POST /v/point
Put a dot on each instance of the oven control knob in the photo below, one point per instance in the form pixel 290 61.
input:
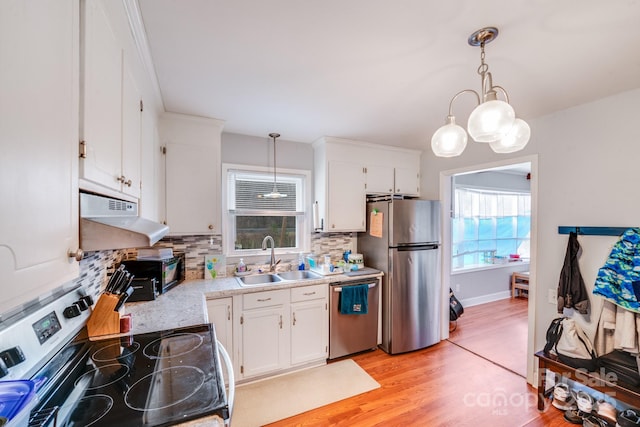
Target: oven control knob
pixel 72 311
pixel 12 356
pixel 3 369
pixel 88 300
pixel 82 304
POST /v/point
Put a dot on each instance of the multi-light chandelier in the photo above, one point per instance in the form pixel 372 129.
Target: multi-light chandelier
pixel 492 121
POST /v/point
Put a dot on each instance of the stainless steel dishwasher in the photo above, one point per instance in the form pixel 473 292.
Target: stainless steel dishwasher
pixel 352 333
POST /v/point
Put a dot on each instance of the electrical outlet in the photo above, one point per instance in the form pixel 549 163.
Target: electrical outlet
pixel 553 296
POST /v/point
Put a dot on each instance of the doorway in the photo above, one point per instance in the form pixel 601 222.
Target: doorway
pixel 526 168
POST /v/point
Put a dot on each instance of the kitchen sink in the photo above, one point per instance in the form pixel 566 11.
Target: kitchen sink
pixel 258 279
pixel 298 275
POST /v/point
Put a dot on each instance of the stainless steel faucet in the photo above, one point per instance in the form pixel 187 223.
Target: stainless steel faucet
pixel 272 262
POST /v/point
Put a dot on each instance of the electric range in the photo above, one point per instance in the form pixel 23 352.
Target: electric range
pixel 153 379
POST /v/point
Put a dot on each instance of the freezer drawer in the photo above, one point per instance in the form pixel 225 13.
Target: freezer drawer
pixel 352 333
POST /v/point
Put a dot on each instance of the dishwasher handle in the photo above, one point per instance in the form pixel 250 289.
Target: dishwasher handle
pixel 339 288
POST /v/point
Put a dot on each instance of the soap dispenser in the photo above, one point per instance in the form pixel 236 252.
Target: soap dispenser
pixel 242 267
pixel 301 264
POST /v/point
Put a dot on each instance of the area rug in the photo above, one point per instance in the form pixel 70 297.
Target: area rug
pixel 274 399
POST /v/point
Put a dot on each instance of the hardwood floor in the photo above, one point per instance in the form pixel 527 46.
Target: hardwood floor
pixel 443 385
pixel 496 331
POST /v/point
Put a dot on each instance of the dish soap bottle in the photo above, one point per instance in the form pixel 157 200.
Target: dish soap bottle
pixel 301 265
pixel 242 267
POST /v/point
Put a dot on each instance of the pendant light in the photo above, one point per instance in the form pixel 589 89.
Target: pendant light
pixel 275 194
pixel 493 121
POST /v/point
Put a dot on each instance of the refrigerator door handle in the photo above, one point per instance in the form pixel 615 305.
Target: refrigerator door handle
pixel 426 247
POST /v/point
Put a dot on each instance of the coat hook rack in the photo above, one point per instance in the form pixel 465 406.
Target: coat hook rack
pixel 593 231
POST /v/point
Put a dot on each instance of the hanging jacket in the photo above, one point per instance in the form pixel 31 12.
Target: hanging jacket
pixel 572 292
pixel 619 279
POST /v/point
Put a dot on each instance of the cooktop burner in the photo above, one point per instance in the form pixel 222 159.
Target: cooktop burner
pixel 115 351
pixel 154 379
pixel 175 345
pixel 87 411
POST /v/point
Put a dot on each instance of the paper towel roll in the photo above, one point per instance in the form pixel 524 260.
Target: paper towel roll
pixel 316 217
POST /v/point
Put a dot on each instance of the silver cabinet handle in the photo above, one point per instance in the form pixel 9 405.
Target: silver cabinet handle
pixel 264 300
pixel 294 319
pixel 281 321
pixel 228 312
pixel 309 293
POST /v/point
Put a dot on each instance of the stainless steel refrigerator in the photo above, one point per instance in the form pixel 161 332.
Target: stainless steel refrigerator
pixel 408 252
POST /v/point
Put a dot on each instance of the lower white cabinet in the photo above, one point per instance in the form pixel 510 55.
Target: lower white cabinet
pixel 265 332
pixel 275 330
pixel 220 312
pixel 309 324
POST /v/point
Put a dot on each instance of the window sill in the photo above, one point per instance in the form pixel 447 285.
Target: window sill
pixel 475 268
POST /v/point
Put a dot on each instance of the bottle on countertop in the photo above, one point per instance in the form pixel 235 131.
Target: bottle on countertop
pixel 242 267
pixel 301 264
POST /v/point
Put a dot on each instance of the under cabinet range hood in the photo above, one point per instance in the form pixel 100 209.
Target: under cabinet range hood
pixel 108 223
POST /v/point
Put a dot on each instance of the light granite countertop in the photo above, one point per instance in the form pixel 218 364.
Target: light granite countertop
pixel 185 304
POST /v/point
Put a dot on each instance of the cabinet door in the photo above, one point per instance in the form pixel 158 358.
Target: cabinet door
pixel 39 161
pixel 309 331
pixel 101 126
pixel 264 341
pixel 220 315
pixel 131 121
pixel 193 188
pixel 379 179
pixel 407 181
pixel 346 197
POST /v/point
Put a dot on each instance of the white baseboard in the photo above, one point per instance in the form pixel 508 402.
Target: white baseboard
pixel 483 299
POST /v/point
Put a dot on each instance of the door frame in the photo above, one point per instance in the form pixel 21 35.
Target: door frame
pixel 446 178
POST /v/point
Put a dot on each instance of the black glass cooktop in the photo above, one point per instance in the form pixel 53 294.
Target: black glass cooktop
pixel 154 379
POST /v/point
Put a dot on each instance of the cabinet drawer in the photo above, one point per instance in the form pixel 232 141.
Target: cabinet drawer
pixel 265 299
pixel 305 293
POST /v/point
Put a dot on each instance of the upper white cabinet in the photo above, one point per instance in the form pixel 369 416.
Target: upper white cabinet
pixel 39 130
pixel 346 171
pixel 110 107
pixel 192 147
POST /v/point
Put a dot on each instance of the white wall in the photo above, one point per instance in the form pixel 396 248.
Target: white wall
pixel 587 162
pixel 258 151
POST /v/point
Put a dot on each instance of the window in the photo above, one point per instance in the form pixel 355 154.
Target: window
pixel 489 226
pixel 251 217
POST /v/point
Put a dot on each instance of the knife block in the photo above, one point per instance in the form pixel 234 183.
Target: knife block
pixel 104 320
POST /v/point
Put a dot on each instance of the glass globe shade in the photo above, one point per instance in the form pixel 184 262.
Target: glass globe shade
pixel 449 141
pixel 516 139
pixel 490 121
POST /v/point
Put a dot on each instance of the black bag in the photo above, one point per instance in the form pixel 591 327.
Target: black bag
pixel 455 308
pixel 623 364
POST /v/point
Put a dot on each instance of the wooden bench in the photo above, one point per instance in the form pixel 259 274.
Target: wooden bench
pixel 594 380
pixel 519 283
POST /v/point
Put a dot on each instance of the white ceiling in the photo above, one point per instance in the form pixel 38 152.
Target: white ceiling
pixel 382 71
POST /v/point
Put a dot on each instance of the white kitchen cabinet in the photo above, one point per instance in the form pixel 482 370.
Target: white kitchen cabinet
pixel 309 324
pixel 346 171
pixel 407 181
pixel 110 105
pixel 345 197
pixel 192 164
pixel 379 179
pixel 39 81
pixel 339 187
pixel 220 313
pixel 265 333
